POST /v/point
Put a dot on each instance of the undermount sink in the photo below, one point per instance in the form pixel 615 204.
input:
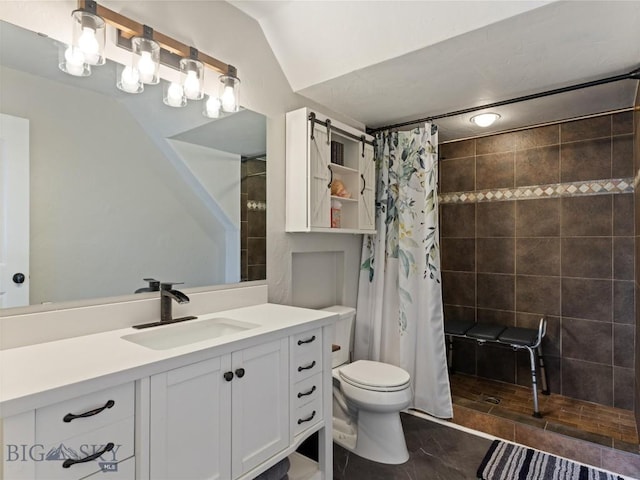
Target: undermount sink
pixel 177 335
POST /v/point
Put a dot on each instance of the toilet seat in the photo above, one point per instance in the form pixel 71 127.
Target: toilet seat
pixel 375 376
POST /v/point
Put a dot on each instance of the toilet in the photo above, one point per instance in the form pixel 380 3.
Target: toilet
pixel 367 399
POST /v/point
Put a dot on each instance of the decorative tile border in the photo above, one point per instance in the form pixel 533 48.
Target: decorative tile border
pixel 258 206
pixel 552 190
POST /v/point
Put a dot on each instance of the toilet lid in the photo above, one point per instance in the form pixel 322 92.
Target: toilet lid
pixel 375 375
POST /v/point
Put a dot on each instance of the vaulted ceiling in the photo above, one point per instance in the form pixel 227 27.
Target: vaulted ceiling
pixel 382 62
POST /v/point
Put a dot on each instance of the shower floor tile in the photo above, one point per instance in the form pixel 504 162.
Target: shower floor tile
pixel 599 424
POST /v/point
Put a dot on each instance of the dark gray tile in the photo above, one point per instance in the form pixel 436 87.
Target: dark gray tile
pixel 538 166
pixel 586 216
pixel 459 288
pixel 599 293
pixel 458 220
pixel 623 214
pixel 256 251
pixel 587 160
pixel 243 206
pixel 540 295
pixel 586 257
pixel 495 291
pixel 257 188
pixel 622 123
pixel 498 363
pixel 587 381
pixel 464 356
pixel 505 142
pixel 587 340
pixel 622 156
pixel 623 345
pixel 500 317
pixel 623 261
pixel 243 235
pixel 538 218
pixel 551 340
pixel 458 175
pixel 538 256
pixel 257 272
pixel 538 137
pixel 464 148
pixel 623 302
pixel 495 255
pixel 496 219
pixel 257 223
pixel 584 129
pixel 623 381
pixel 458 254
pixel 496 170
pixel 455 312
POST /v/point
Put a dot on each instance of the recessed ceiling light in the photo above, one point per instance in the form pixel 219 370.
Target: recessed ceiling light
pixel 485 119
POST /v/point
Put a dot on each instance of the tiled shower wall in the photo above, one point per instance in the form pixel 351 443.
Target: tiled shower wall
pixel 253 220
pixel 565 250
pixel 636 169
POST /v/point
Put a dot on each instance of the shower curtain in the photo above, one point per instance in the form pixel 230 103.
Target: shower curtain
pixel 399 313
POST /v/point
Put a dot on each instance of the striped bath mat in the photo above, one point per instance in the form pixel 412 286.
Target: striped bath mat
pixel 506 461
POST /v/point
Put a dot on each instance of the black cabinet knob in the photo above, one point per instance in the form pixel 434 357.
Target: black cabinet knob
pixel 228 376
pixel 18 278
pixel 240 372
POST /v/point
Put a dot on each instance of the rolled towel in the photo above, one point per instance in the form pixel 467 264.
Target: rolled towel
pixel 277 472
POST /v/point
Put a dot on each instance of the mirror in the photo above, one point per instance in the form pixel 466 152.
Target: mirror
pixel 122 187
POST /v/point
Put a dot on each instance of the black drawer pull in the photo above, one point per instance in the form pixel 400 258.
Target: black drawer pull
pixel 107 448
pixel 308 340
pixel 300 394
pixel 308 419
pixel 311 365
pixel 70 416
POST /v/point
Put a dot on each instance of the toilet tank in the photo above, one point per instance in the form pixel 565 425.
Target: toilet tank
pixel 342 334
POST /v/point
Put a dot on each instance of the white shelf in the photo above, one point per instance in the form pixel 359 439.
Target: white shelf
pixel 342 169
pixel 344 199
pixel 303 468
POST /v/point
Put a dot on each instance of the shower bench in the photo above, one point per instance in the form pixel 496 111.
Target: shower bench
pixel 518 338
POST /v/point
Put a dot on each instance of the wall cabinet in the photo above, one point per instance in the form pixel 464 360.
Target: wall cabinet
pixel 220 418
pixel 310 173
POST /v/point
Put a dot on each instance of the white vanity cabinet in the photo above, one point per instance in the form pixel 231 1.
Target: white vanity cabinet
pixel 220 418
pixel 310 171
pixel 73 439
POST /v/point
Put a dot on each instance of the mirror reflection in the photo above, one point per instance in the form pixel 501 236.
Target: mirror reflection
pixel 120 187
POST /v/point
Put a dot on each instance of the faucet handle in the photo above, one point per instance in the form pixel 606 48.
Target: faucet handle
pixel 154 285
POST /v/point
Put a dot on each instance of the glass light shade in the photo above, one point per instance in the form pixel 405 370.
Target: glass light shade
pixel 146 59
pixel 229 93
pixel 485 119
pixel 192 78
pixel 211 108
pixel 129 80
pixel 89 33
pixel 71 61
pixel 173 95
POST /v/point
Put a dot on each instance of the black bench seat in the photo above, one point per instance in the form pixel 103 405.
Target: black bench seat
pixel 515 337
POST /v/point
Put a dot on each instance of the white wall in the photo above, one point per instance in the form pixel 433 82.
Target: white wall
pixel 220 30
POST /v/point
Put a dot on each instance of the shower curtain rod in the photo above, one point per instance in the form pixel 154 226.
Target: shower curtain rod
pixel 633 75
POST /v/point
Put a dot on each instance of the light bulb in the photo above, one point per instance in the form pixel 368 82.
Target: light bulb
pixel 74 61
pixel 88 44
pixel 130 80
pixel 175 95
pixel 228 99
pixel 192 85
pixel 212 107
pixel 146 67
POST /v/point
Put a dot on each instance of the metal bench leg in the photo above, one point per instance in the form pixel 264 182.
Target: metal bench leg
pixel 534 383
pixel 543 373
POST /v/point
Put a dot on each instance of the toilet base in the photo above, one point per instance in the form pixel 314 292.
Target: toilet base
pixel 380 438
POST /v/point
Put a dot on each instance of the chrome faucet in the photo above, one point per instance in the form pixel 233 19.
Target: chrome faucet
pixel 167 294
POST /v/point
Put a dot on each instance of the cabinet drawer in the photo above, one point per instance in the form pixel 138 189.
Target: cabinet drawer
pixel 120 433
pixel 307 416
pixel 125 470
pixel 307 390
pixel 307 344
pixel 103 408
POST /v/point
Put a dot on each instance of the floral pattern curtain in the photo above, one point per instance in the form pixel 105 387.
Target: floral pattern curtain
pixel 399 314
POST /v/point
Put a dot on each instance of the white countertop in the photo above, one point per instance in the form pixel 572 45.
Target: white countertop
pixel 37 375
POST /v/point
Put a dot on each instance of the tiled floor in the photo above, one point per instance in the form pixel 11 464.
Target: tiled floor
pixel 595 434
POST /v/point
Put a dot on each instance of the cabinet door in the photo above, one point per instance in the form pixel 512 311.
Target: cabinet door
pixel 320 181
pixel 190 425
pixel 260 404
pixel 367 204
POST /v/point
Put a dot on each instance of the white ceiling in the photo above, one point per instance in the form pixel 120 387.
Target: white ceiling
pixel 382 62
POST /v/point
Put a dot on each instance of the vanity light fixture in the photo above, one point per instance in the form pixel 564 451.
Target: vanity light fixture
pixel 87 41
pixel 485 119
pixel 149 48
